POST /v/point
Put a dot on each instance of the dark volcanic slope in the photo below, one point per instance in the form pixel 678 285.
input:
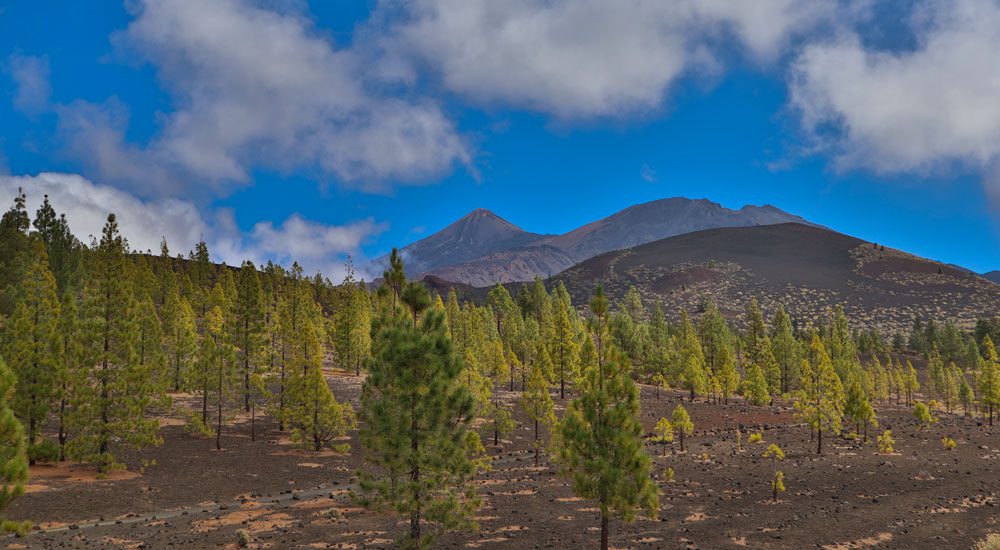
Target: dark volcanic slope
pixel 807 268
pixel 660 219
pixel 992 276
pixel 478 234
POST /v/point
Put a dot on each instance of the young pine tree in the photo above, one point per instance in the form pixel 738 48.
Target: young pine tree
pixel 820 403
pixel 989 379
pixel 13 446
pixel 857 407
pixel 564 349
pixel 601 446
pixel 681 422
pixel 415 426
pixel 756 389
pixel 536 400
pixel 34 348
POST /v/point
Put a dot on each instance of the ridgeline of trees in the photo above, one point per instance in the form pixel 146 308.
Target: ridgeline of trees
pixel 99 341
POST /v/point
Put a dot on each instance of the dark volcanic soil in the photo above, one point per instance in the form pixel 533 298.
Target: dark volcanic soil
pixel 852 497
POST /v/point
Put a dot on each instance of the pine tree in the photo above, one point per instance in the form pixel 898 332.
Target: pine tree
pixel 13 445
pixel 756 390
pixel 664 431
pixel 149 346
pixel 681 422
pixel 35 348
pixel 564 350
pixel 70 368
pixel 495 366
pixel 912 382
pixel 966 395
pixel 181 336
pixel 820 403
pixel 857 408
pixel 63 250
pixel 692 360
pixel 112 392
pixel 415 426
pixel 249 337
pixel 787 352
pixel 755 333
pixel 223 374
pixel 601 445
pixel 536 400
pixel 316 417
pixel 989 379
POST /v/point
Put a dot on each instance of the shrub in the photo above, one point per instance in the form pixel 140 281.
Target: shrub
pixel 923 415
pixel 756 437
pixel 668 474
pixel 886 442
pixel 45 450
pixel 948 443
pixel 775 452
pixel 777 485
pixel 991 542
pixel 242 538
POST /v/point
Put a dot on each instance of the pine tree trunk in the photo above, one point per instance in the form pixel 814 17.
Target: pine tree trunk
pixel 281 392
pixel 562 386
pixel 218 426
pixel 604 531
pixel 682 439
pixel 317 444
pixel 253 423
pixel 415 478
pixel 536 442
pixel 819 437
pixel 63 436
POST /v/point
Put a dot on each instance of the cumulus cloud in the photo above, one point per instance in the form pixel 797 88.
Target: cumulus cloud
pixel 31 75
pixel 253 87
pixel 316 246
pixel 911 111
pixel 585 58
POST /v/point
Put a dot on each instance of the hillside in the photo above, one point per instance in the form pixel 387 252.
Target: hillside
pixel 806 268
pixel 992 276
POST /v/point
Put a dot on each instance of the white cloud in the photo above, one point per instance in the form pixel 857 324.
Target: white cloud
pixel 315 245
pixel 257 88
pixel 584 58
pixel 31 75
pixel 917 110
pixel 647 173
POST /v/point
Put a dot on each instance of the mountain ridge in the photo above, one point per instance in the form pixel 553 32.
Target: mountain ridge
pixel 482 248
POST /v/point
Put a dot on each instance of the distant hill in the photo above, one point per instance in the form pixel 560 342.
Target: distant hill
pixel 477 234
pixel 992 276
pixel 482 249
pixel 806 268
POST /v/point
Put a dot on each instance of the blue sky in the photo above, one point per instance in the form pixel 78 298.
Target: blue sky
pixel 281 128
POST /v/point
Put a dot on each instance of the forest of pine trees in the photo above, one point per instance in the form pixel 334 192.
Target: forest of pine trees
pixel 100 340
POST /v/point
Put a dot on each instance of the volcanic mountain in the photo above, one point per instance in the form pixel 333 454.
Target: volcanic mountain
pixel 806 268
pixel 992 276
pixel 482 249
pixel 479 233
